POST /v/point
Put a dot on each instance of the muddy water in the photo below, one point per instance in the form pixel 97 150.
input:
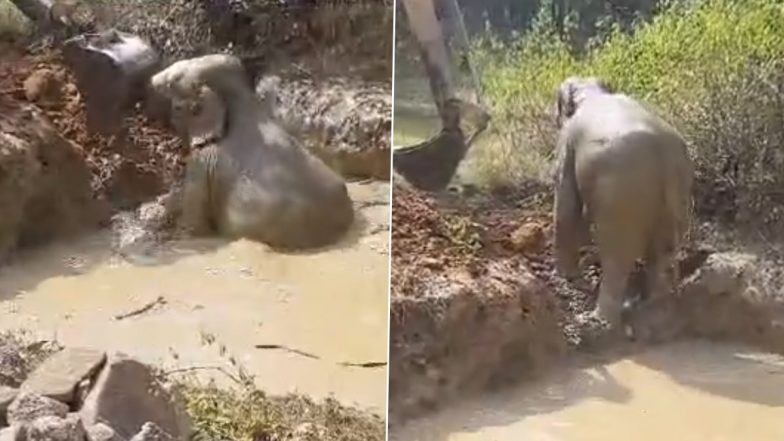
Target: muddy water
pixel 692 391
pixel 413 125
pixel 330 304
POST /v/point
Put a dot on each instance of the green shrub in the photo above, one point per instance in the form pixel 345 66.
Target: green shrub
pixel 713 69
pixel 12 22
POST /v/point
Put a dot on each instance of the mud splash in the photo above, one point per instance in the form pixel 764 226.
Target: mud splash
pixel 708 391
pixel 330 304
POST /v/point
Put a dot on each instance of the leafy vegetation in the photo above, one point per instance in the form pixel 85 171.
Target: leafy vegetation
pixel 247 414
pixel 713 68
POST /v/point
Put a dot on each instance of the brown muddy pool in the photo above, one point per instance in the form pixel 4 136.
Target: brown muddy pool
pixel 690 391
pixel 317 310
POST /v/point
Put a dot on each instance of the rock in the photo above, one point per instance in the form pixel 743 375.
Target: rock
pixel 101 432
pixel 7 396
pixel 151 432
pixel 723 273
pixel 28 407
pixel 12 365
pixel 13 433
pixel 347 125
pixel 529 238
pixel 51 428
pixel 126 395
pixel 45 190
pixel 59 376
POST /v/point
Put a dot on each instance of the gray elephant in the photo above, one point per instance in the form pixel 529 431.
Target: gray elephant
pixel 246 176
pixel 626 172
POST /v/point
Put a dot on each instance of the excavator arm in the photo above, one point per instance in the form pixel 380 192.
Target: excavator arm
pixel 431 165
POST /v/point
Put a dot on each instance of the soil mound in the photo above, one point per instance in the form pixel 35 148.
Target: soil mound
pixel 123 172
pixel 477 302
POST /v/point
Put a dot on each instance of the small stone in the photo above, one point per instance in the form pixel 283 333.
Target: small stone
pixel 101 432
pixel 59 376
pixel 43 85
pixel 151 432
pixel 126 395
pixel 528 238
pixel 52 428
pixel 29 406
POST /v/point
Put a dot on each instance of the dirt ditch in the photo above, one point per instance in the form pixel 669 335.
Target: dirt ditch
pixel 477 305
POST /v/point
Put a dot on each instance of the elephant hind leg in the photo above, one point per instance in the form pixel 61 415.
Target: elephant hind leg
pixel 621 241
pixel 612 290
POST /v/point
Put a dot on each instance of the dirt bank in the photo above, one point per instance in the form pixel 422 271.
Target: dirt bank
pixel 476 301
pixel 121 174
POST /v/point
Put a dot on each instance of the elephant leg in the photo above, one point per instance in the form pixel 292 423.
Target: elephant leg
pixel 621 241
pixel 571 229
pixel 195 219
pixel 612 290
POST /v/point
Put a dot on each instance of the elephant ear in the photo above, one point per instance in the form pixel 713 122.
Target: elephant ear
pixel 572 92
pixel 206 116
pixel 565 101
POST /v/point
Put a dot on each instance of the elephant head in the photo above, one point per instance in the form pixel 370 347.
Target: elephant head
pixel 202 92
pixel 573 91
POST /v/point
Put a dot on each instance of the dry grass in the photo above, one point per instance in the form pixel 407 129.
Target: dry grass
pixel 248 414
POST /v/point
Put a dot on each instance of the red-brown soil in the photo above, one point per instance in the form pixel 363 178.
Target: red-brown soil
pixel 123 174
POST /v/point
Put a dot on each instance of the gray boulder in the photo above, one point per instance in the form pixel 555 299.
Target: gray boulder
pixel 28 407
pixel 127 395
pixel 59 376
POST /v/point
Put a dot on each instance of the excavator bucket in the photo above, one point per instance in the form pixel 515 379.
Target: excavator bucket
pixel 112 69
pixel 432 164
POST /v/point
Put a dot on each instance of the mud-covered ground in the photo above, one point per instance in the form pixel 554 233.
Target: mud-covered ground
pixel 477 303
pixel 122 174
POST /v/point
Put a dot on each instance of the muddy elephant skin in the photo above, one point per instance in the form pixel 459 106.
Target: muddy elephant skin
pixel 628 173
pixel 247 177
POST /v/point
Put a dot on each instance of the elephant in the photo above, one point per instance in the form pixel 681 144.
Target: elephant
pixel 246 177
pixel 627 173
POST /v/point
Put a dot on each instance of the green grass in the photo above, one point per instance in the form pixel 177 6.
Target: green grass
pixel 248 414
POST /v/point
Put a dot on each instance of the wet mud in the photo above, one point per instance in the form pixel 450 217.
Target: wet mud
pixel 212 306
pixel 312 322
pixel 478 309
pixel 694 390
